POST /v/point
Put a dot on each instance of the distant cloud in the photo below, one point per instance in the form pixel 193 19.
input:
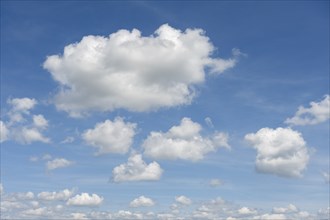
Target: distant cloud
pixel 68 140
pixel 215 182
pixel 326 176
pixel 142 201
pixel 40 121
pixel 183 200
pixel 137 170
pixel 58 163
pixel 281 210
pixel 245 211
pixel 209 122
pixel 183 142
pixel 84 199
pixel 128 71
pixel 111 136
pixel 26 135
pixel 20 106
pixel 4 132
pixel 52 196
pixel 280 151
pixel 1 189
pixel 318 112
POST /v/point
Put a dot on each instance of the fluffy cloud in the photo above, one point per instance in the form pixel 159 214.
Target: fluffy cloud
pixel 20 106
pixel 142 201
pixel 280 151
pixel 246 211
pixel 289 209
pixel 134 72
pixel 111 136
pixel 183 200
pixel 61 195
pixel 1 189
pixel 183 142
pixel 26 135
pixel 318 112
pixel 84 199
pixel 137 170
pixel 58 163
pixel 40 121
pixel 4 132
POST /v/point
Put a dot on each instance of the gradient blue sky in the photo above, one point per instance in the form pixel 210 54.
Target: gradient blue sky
pixel 284 64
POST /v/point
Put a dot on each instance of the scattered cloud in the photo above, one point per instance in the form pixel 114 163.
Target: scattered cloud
pixel 137 170
pixel 288 209
pixel 111 136
pixel 326 176
pixel 84 199
pixel 183 142
pixel 215 182
pixel 27 135
pixel 142 201
pixel 183 200
pixel 60 195
pixel 245 211
pixel 133 72
pixel 4 132
pixel 68 140
pixel 58 163
pixel 209 122
pixel 280 151
pixel 1 189
pixel 20 106
pixel 40 122
pixel 318 112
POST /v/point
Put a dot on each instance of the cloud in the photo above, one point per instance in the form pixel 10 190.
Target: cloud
pixel 209 122
pixel 137 170
pixel 68 140
pixel 280 151
pixel 20 106
pixel 84 199
pixel 111 136
pixel 183 200
pixel 183 142
pixel 1 189
pixel 215 182
pixel 326 176
pixel 246 211
pixel 289 209
pixel 26 135
pixel 318 112
pixel 58 163
pixel 40 122
pixel 4 132
pixel 129 71
pixel 60 195
pixel 142 201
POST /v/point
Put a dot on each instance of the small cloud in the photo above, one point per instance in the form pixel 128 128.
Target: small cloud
pixel 215 182
pixel 142 201
pixel 326 176
pixel 209 122
pixel 183 200
pixel 68 140
pixel 52 196
pixel 84 199
pixel 58 163
pixel 34 159
pixel 137 170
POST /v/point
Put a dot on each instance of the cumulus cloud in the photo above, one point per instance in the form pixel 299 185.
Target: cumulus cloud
pixel 142 201
pixel 134 72
pixel 26 135
pixel 318 112
pixel 280 151
pixel 183 200
pixel 20 106
pixel 4 132
pixel 84 199
pixel 40 121
pixel 246 211
pixel 60 195
pixel 58 163
pixel 111 136
pixel 289 209
pixel 183 142
pixel 137 170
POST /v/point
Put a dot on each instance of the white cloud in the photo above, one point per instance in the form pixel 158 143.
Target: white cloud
pixel 84 199
pixel 79 215
pixel 58 163
pixel 137 170
pixel 23 196
pixel 130 71
pixel 326 176
pixel 215 182
pixel 209 122
pixel 43 211
pixel 60 195
pixel 281 210
pixel 111 136
pixel 27 135
pixel 4 132
pixel 68 140
pixel 142 201
pixel 318 112
pixel 280 151
pixel 183 200
pixel 246 211
pixel 40 122
pixel 1 189
pixel 183 142
pixel 20 106
pixel 271 217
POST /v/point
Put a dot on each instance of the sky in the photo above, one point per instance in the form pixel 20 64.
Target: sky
pixel 164 110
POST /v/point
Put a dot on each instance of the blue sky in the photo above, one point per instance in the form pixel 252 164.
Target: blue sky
pixel 206 110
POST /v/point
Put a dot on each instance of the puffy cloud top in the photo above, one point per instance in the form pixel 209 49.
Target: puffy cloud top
pixel 183 142
pixel 318 112
pixel 61 195
pixel 84 199
pixel 183 200
pixel 111 136
pixel 280 151
pixel 142 201
pixel 137 170
pixel 58 163
pixel 134 72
